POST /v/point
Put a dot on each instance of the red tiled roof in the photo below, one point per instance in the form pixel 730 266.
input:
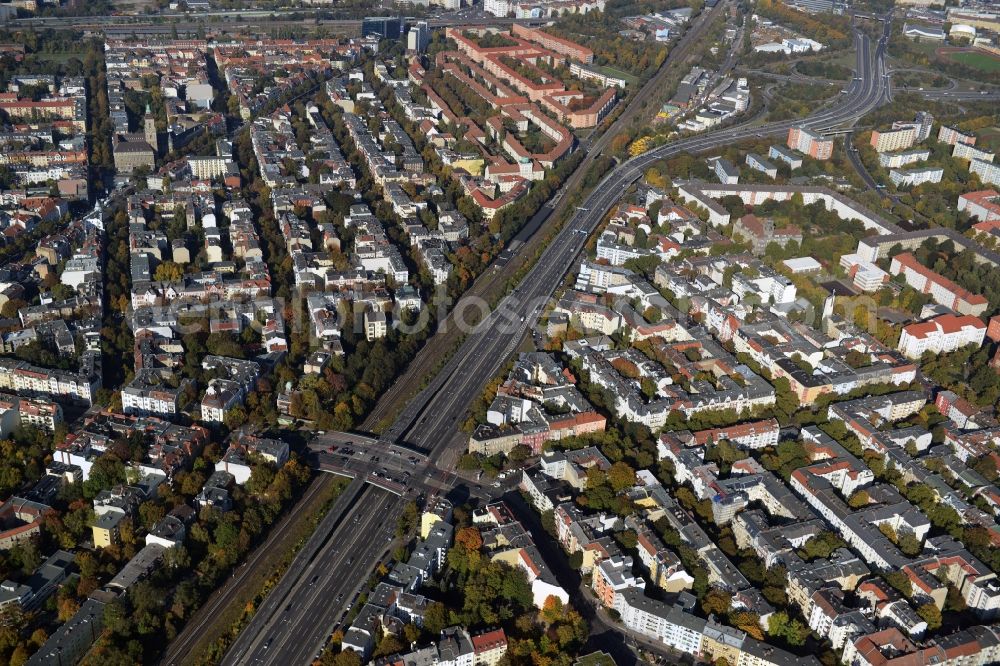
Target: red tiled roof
pixel 909 261
pixel 489 641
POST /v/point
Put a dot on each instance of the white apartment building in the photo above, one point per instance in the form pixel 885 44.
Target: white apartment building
pixel 375 324
pixel 617 253
pixel 136 401
pixel 150 393
pixel 669 625
pixel 207 168
pixel 499 8
pixel 80 269
pixel 896 160
pixel 866 275
pixel 951 136
pixel 894 140
pixel 969 152
pixel 221 396
pixel 43 414
pixel 987 171
pixel 758 163
pixel 25 379
pixel 941 334
pixel 914 177
pixel 726 172
pixel 385 260
pixel 983 205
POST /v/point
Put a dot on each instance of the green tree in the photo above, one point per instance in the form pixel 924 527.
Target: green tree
pixel 792 630
pixel 389 644
pixel 621 476
pixel 716 602
pixel 168 271
pixel 858 499
pixel 436 618
pixel 930 614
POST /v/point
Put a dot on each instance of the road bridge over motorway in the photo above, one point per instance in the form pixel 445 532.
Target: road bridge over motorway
pixel 394 467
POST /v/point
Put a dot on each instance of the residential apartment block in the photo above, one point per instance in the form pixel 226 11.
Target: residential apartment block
pixel 750 435
pixel 26 379
pixel 988 172
pixel 915 177
pixel 893 140
pixel 940 288
pixel 967 151
pixel 538 403
pixel 888 160
pixel 758 163
pixel 975 646
pixel 812 144
pixel 951 136
pixel 784 155
pixel 983 205
pixel 942 334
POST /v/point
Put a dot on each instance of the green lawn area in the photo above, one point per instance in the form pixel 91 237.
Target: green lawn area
pixel 913 51
pixel 912 79
pixel 48 62
pixel 846 58
pixel 989 138
pixel 629 78
pixel 983 61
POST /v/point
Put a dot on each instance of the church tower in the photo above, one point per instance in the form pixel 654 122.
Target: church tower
pixel 149 130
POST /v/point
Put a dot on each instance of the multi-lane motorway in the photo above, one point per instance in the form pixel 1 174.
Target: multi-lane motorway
pixel 295 620
pixel 947 95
